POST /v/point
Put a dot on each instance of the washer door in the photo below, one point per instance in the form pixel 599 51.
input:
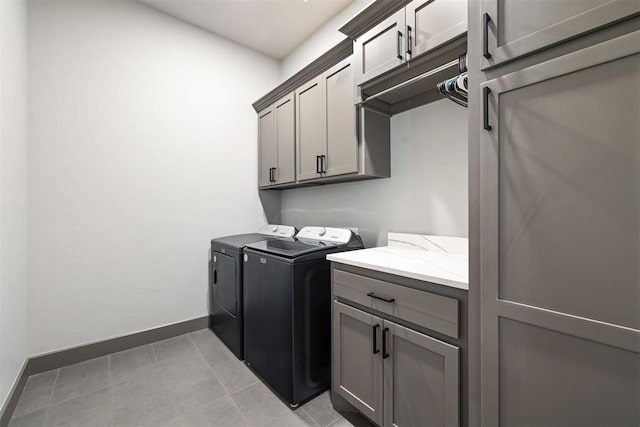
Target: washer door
pixel 225 283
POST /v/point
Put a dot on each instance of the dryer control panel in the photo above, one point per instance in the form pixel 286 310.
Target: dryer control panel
pixel 325 234
pixel 277 230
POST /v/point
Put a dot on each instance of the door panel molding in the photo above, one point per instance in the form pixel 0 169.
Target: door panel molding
pixel 589 20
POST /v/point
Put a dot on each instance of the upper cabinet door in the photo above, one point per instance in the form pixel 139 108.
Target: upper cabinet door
pixel 380 49
pixel 421 379
pixel 560 209
pixel 309 128
pixel 340 125
pixel 285 112
pixel 430 23
pixel 357 359
pixel 515 28
pixel 266 147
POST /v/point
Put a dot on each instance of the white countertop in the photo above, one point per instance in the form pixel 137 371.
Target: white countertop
pixel 437 259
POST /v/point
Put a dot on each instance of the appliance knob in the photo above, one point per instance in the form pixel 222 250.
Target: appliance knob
pixel 274 229
pixel 322 231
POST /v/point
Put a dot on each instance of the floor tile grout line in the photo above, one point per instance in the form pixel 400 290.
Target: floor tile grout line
pixel 257 381
pixel 164 382
pixel 207 363
pixel 46 412
pixel 311 416
pixel 221 383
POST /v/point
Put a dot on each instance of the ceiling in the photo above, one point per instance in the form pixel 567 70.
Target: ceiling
pixel 273 27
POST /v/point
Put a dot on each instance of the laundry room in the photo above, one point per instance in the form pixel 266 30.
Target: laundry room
pixel 319 213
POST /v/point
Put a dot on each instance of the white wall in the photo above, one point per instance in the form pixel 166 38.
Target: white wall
pixel 13 191
pixel 427 191
pixel 142 148
pixel 320 41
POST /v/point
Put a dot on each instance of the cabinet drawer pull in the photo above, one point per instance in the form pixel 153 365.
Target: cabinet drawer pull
pixel 376 350
pixel 485 108
pixel 215 276
pixel 485 35
pixel 318 164
pixel 323 164
pixel 380 297
pixel 409 41
pixel 384 343
pixel 399 50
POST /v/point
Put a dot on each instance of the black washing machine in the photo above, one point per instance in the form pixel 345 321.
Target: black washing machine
pixel 225 283
pixel 287 310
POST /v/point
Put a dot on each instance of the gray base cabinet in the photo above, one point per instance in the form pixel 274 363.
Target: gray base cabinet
pixel 391 372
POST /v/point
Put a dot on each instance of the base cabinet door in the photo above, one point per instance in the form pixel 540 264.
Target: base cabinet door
pixel 515 28
pixel 560 182
pixel 357 361
pixel 421 379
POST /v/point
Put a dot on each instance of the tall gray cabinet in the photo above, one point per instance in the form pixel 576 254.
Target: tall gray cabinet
pixel 557 232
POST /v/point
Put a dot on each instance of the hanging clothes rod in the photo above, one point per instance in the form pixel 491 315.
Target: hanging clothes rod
pixel 419 77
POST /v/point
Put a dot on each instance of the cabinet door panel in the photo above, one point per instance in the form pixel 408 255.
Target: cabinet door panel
pixel 560 179
pixel 562 368
pixel 434 22
pixel 285 140
pixel 357 371
pixel 382 48
pixel 267 146
pixel 517 28
pixel 421 380
pixel 342 140
pixel 309 129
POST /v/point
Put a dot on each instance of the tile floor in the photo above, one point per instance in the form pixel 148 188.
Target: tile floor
pixel 189 380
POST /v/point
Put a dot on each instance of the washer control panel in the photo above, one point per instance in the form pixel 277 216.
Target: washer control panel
pixel 325 234
pixel 277 230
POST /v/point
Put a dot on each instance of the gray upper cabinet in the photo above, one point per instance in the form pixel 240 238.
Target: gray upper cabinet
pixel 430 23
pixel 341 147
pixel 310 129
pixel 357 365
pixel 512 29
pixel 285 140
pixel 421 379
pixel 276 143
pixel 380 49
pixel 560 227
pixel 266 147
pixel 414 30
pixel 326 116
